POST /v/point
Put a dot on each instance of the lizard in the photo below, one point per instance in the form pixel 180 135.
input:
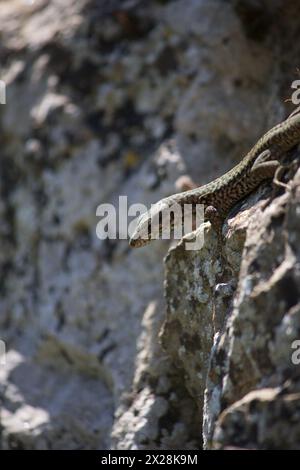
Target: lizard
pixel 219 196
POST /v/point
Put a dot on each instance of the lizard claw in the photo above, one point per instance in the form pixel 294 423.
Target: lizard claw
pixel 213 216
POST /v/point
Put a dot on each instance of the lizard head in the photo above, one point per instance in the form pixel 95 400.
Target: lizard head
pixel 156 223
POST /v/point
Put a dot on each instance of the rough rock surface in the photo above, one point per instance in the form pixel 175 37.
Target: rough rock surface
pixel 232 323
pixel 122 98
pixel 256 387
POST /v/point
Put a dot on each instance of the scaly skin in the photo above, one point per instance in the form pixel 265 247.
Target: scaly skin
pixel 223 193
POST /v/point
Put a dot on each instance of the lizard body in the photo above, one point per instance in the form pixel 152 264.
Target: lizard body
pixel 220 195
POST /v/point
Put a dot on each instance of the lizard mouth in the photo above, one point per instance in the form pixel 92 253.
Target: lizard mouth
pixel 138 242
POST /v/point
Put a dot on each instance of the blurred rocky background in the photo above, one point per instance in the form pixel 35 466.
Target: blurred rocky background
pixel 109 98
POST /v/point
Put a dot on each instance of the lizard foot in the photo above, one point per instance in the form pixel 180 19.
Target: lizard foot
pixel 213 216
pixel 277 177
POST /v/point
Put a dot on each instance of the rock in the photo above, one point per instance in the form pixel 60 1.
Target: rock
pixel 260 420
pixel 232 325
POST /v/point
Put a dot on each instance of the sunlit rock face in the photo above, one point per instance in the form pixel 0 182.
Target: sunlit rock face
pixel 123 98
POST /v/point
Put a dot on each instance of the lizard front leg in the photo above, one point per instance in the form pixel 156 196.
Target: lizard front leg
pixel 264 170
pixel 268 169
pixel 212 214
pixel 265 166
pixel 260 173
pixel 278 173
